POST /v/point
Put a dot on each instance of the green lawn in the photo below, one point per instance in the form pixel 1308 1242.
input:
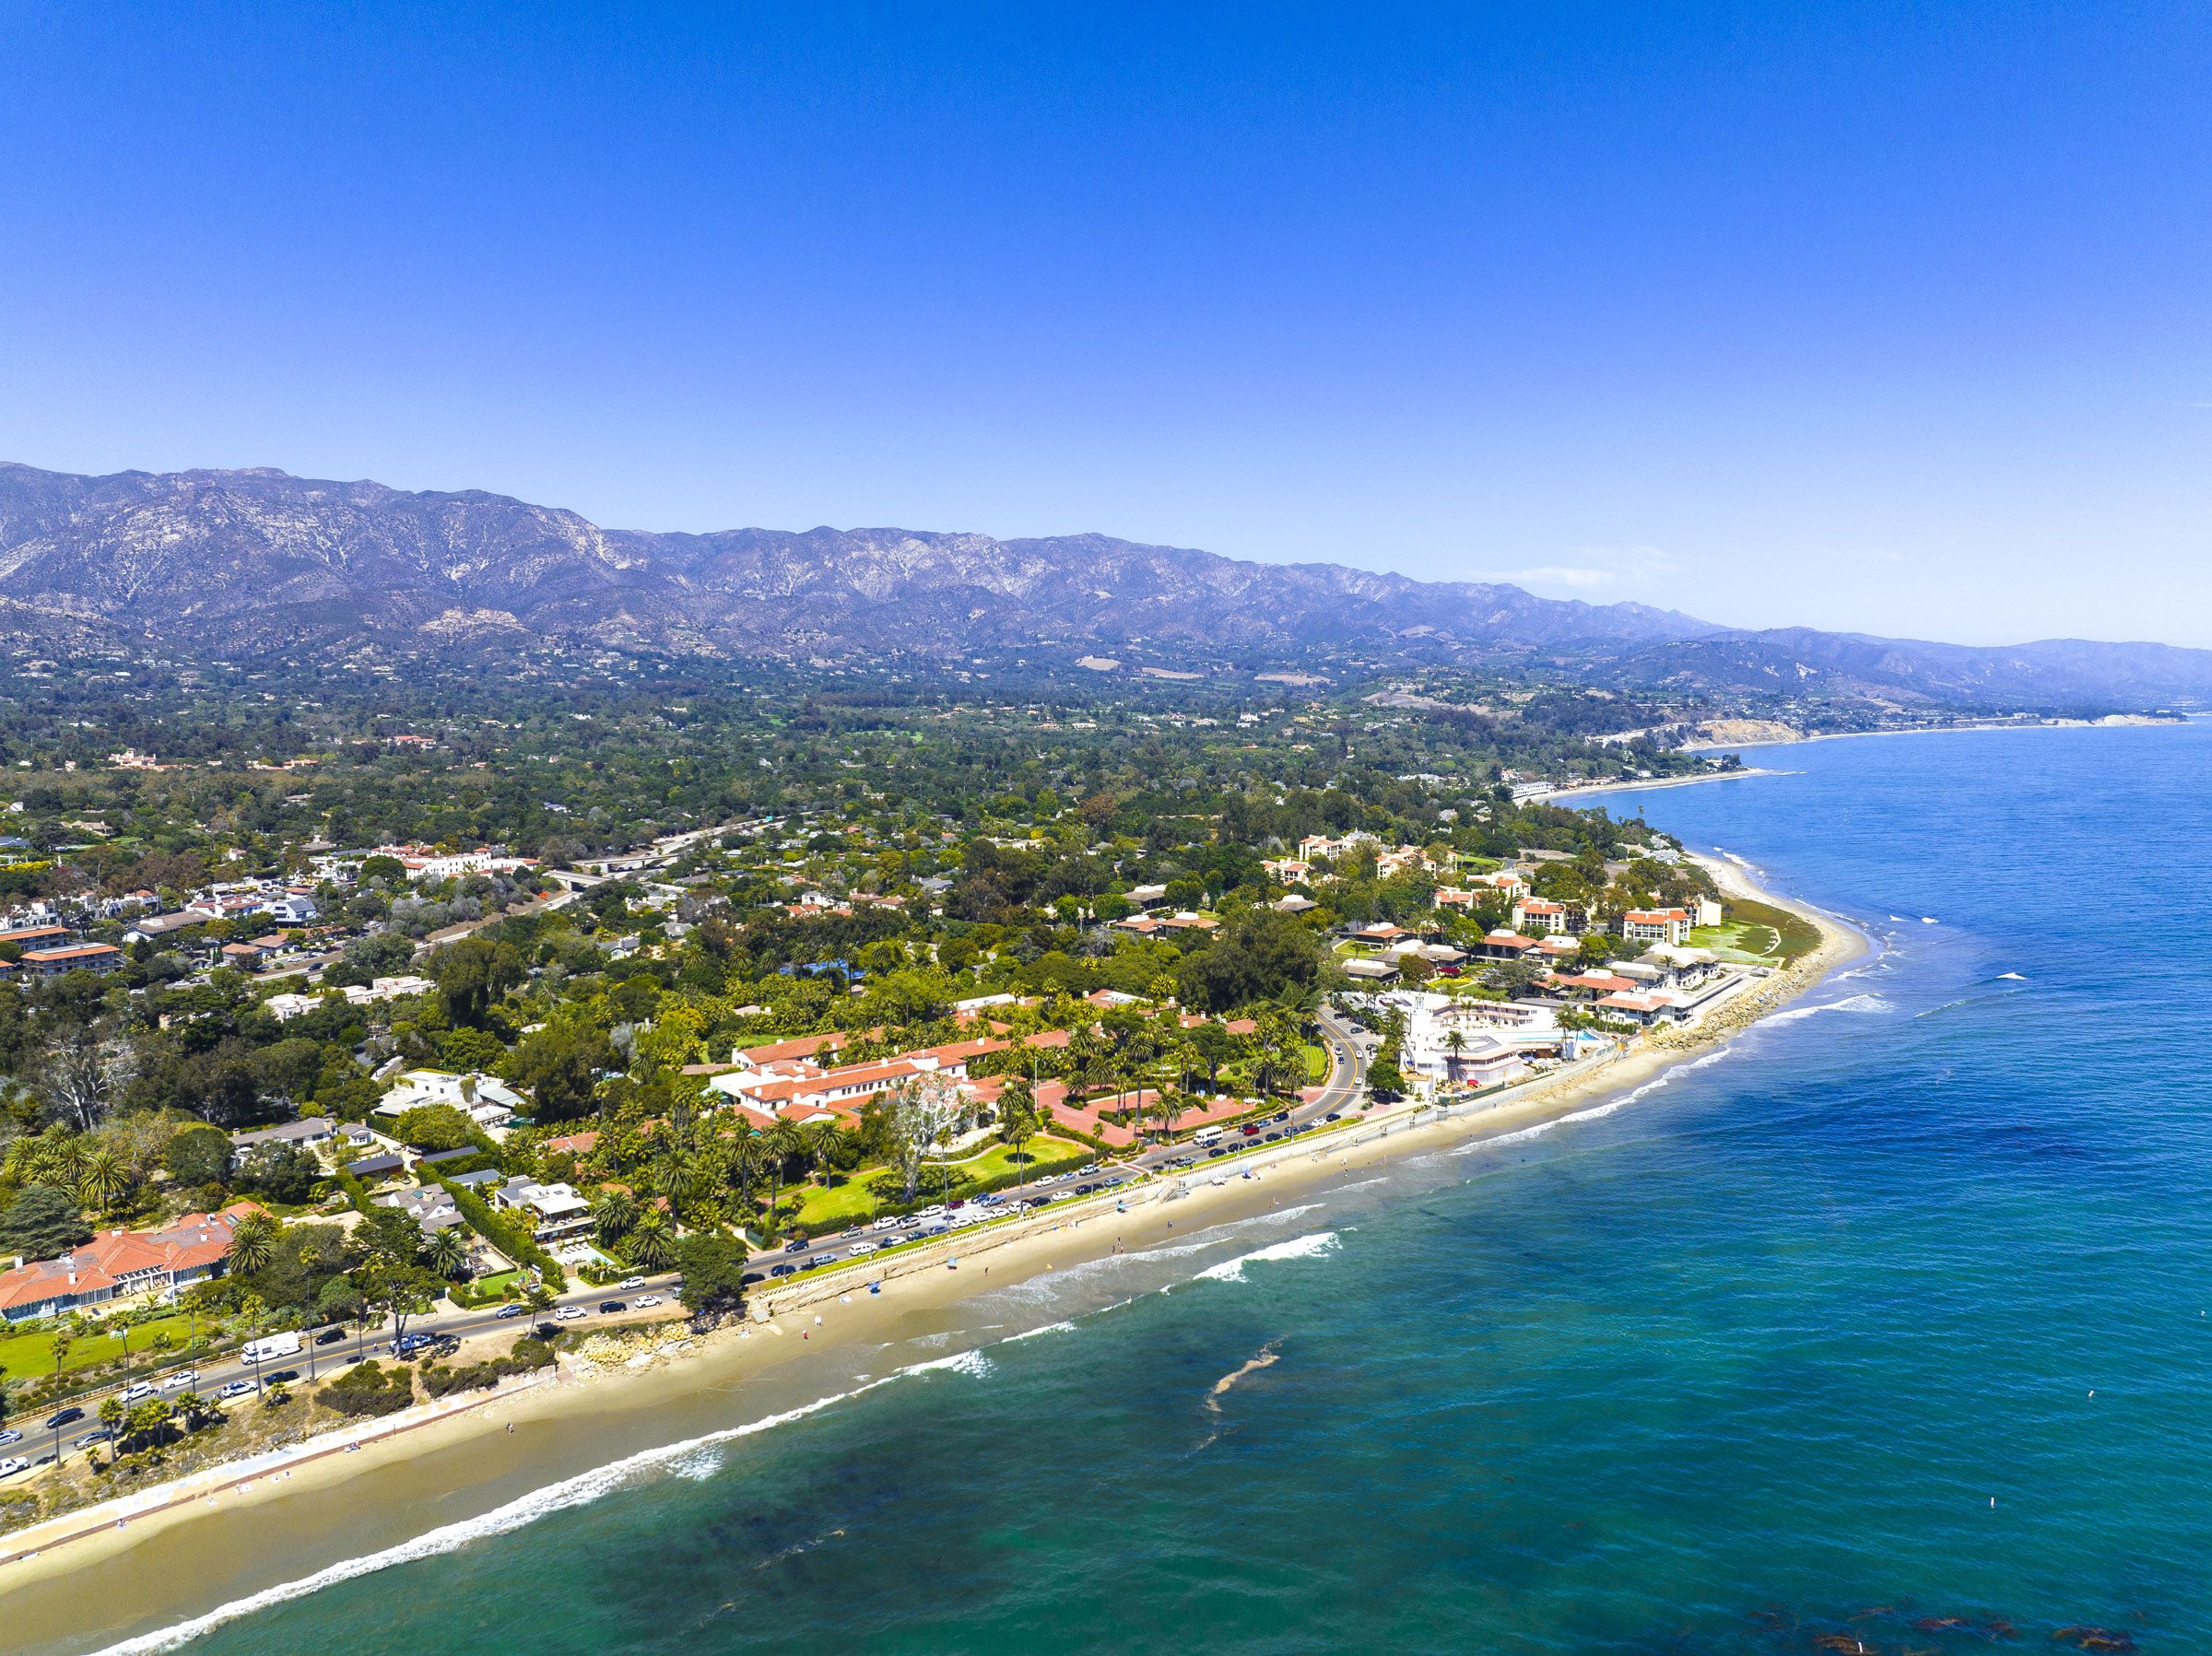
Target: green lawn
pixel 840 1205
pixel 26 1356
pixel 1317 1063
pixel 1758 933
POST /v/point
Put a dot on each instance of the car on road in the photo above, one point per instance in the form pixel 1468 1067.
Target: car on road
pixel 607 1308
pixel 90 1439
pixel 329 1336
pixel 1334 1115
pixel 138 1392
pixel 821 1259
pixel 1217 1152
pixel 11 1436
pixel 784 1269
pixel 935 1210
pixel 408 1345
pixel 1249 1130
pixel 888 1222
pixel 283 1377
pixel 939 1230
pixel 1282 1115
pixel 235 1389
pixel 852 1230
pixel 504 1312
pixel 1271 1138
pixel 860 1250
pixel 66 1418
pixel 12 1466
pixel 797 1245
pixel 187 1376
pixel 631 1281
pixel 750 1277
pixel 647 1302
pixel 569 1313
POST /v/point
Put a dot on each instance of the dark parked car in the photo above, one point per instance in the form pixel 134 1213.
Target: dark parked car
pixel 329 1336
pixel 750 1279
pixel 1271 1138
pixel 1218 1152
pixel 610 1307
pixel 786 1269
pixel 797 1245
pixel 66 1418
pixel 283 1377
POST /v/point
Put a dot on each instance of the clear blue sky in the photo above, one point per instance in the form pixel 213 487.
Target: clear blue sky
pixel 1883 317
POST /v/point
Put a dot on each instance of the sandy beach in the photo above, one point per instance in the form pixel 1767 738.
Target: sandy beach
pixel 498 1460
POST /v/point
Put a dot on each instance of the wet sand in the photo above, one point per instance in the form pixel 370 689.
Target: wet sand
pixel 823 1342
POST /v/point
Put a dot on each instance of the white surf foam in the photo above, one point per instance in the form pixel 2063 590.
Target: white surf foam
pixel 2010 976
pixel 1306 1247
pixel 1855 1002
pixel 1050 1328
pixel 1927 920
pixel 687 1459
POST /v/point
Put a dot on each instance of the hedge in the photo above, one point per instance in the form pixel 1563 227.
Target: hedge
pixel 370 1389
pixel 356 1191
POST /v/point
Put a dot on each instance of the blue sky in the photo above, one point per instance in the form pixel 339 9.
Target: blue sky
pixel 1879 317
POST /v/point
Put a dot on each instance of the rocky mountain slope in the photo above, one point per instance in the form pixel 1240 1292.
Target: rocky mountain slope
pixel 220 561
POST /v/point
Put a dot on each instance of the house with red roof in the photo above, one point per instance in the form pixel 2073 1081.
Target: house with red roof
pixel 121 1264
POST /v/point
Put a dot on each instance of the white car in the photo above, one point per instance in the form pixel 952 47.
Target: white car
pixel 935 1210
pixel 860 1249
pixel 645 1300
pixel 887 1223
pixel 236 1389
pixel 12 1466
pixel 568 1313
pixel 631 1281
pixel 190 1377
pixel 138 1392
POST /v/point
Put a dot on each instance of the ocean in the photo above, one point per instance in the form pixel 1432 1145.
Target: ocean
pixel 1884 1325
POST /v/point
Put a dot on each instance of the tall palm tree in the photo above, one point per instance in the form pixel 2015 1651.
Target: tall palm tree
pixel 653 1244
pixel 103 1178
pixel 671 1178
pixel 445 1254
pixel 614 1216
pixel 783 1146
pixel 1457 1043
pixel 253 1244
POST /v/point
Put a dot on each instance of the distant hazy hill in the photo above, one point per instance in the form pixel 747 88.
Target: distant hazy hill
pixel 206 561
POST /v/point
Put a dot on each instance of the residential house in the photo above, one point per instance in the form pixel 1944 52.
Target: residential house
pixel 555 1211
pixel 78 956
pixel 121 1264
pixel 1655 925
pixel 312 1131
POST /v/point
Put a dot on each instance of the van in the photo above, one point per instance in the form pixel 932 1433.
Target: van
pixel 1206 1135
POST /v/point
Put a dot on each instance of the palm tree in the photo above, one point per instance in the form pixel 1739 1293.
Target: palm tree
pixel 782 1144
pixel 103 1178
pixel 1457 1043
pixel 445 1254
pixel 253 1244
pixel 254 1310
pixel 612 1215
pixel 652 1243
pixel 671 1179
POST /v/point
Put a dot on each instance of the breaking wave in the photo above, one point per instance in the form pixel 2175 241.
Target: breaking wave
pixel 1855 1002
pixel 693 1458
pixel 1306 1247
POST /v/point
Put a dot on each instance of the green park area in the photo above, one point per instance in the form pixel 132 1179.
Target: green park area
pixel 1757 933
pixel 26 1356
pixel 832 1207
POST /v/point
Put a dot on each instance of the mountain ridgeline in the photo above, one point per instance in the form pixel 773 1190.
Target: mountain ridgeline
pixel 210 563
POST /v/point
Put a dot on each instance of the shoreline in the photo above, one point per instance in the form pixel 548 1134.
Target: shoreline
pixel 2110 722
pixel 624 1409
pixel 1647 784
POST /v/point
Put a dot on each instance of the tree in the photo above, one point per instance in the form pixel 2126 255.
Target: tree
pixel 397 1291
pixel 614 1216
pixel 434 1127
pixel 1019 1119
pixel 473 973
pixel 445 1253
pixel 561 1068
pixel 922 1112
pixel 104 1179
pixel 200 1155
pixel 42 1222
pixel 87 1065
pixel 713 1268
pixel 652 1243
pixel 280 1172
pixel 1256 956
pixel 538 1298
pixel 253 1244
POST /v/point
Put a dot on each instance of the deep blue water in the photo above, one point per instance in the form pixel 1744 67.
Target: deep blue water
pixel 1743 1364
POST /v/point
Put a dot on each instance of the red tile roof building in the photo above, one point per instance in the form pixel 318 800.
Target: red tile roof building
pixel 119 1263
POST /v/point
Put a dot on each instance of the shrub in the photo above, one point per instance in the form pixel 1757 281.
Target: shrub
pixel 439 1380
pixel 370 1389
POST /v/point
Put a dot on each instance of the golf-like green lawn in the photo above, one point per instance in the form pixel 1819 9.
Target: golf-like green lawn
pixel 26 1356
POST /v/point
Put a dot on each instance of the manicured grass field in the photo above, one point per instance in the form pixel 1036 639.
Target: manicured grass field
pixel 1317 1063
pixel 840 1205
pixel 26 1356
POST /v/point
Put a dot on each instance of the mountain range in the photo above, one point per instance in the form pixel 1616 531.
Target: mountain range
pixel 217 562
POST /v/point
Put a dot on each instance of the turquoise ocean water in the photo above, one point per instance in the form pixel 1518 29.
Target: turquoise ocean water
pixel 1740 1367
